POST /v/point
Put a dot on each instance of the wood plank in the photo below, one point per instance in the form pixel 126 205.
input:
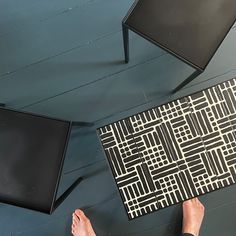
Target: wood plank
pixel 62 33
pixel 17 15
pixel 77 68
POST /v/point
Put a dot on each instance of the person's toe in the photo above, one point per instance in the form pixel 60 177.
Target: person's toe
pixel 72 229
pixel 75 223
pixel 75 219
pixel 79 213
pixel 187 202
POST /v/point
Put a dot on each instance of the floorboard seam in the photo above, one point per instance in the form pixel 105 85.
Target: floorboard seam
pixel 95 81
pixel 152 100
pixel 83 167
pixel 56 14
pixel 211 78
pixel 4 75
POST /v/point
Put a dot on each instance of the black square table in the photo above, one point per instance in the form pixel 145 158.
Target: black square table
pixel 175 151
pixel 190 30
pixel 32 153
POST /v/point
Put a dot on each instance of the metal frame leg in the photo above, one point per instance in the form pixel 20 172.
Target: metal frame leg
pixel 59 201
pixel 126 42
pixel 81 123
pixel 186 81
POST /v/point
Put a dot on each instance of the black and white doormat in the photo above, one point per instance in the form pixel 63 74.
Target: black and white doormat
pixel 174 152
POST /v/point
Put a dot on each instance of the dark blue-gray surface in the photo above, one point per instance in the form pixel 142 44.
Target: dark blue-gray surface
pixel 65 59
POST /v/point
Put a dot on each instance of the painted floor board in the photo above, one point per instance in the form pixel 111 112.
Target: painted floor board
pixel 47 39
pixel 98 99
pixel 75 69
pixel 16 15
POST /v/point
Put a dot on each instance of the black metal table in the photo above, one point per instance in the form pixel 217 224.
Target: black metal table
pixel 190 30
pixel 174 152
pixel 32 152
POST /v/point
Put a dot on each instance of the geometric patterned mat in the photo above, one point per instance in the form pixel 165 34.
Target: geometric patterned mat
pixel 174 152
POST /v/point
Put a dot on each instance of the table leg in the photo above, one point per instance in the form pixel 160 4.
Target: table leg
pixel 126 42
pixel 66 193
pixel 186 81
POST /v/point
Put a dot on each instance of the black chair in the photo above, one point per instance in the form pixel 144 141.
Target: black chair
pixel 32 153
pixel 190 30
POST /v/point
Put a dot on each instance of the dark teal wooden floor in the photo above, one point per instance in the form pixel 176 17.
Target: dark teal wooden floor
pixel 64 58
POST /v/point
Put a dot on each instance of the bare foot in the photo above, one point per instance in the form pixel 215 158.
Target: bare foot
pixel 193 213
pixel 81 225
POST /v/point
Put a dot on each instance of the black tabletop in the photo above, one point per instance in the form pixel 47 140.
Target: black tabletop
pixel 190 29
pixel 31 155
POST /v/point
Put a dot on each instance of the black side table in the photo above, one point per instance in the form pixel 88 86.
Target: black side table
pixel 32 153
pixel 190 30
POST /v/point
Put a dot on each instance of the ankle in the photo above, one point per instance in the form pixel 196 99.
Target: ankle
pixel 190 230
